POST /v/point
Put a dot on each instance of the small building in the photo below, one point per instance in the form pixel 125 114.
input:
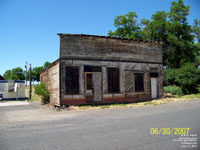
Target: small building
pixel 12 89
pixel 101 69
pixel 1 78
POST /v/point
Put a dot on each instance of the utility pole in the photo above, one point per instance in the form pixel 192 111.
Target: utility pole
pixel 26 66
pixel 30 84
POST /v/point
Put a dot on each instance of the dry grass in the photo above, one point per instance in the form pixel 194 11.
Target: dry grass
pixel 34 97
pixel 141 104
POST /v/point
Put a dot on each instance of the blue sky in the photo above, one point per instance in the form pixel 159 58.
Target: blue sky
pixel 28 28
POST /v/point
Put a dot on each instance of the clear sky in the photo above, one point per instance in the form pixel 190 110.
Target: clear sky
pixel 28 28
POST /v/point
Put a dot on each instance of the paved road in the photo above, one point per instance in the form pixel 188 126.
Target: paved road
pixel 35 127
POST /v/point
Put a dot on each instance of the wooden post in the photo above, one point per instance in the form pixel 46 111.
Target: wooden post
pixel 26 73
pixel 30 84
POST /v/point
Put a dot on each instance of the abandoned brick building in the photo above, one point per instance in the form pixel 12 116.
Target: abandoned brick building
pixel 101 69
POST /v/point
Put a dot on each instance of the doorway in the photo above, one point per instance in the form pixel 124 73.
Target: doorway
pixel 154 88
pixel 93 86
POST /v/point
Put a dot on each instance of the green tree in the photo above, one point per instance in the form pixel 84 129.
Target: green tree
pixel 36 73
pixel 187 77
pixel 155 29
pixel 171 28
pixel 196 29
pixel 126 26
pixel 170 76
pixel 179 47
pixel 14 74
pixel 46 64
pixel 19 74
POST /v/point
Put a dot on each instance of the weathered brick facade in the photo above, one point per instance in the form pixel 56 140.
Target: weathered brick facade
pixel 91 57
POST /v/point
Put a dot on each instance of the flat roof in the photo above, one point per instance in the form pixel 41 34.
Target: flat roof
pixel 109 37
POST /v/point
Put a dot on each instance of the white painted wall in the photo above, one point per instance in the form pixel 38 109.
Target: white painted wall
pixel 19 92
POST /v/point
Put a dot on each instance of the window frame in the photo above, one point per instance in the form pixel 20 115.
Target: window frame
pixel 114 89
pixel 76 88
pixel 141 75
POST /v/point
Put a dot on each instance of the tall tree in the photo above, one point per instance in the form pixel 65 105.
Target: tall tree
pixel 126 26
pixel 155 29
pixel 46 64
pixel 36 73
pixel 179 48
pixel 196 29
pixel 171 28
pixel 14 74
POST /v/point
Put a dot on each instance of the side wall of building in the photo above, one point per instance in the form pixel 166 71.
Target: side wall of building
pixel 50 77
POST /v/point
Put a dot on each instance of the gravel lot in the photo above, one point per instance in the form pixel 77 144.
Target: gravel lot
pixel 34 112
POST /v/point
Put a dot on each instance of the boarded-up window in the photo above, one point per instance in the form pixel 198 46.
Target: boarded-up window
pixel 88 68
pixel 154 74
pixel 71 80
pixel 89 81
pixel 113 80
pixel 139 82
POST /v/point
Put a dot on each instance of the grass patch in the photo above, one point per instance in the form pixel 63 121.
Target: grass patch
pixel 104 106
pixel 149 103
pixel 191 96
pixel 117 105
pixel 34 97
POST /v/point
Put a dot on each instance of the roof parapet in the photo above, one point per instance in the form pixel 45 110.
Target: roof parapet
pixel 111 37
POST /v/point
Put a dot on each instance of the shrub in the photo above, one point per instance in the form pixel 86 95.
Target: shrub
pixel 41 90
pixel 170 77
pixel 174 90
pixel 186 77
